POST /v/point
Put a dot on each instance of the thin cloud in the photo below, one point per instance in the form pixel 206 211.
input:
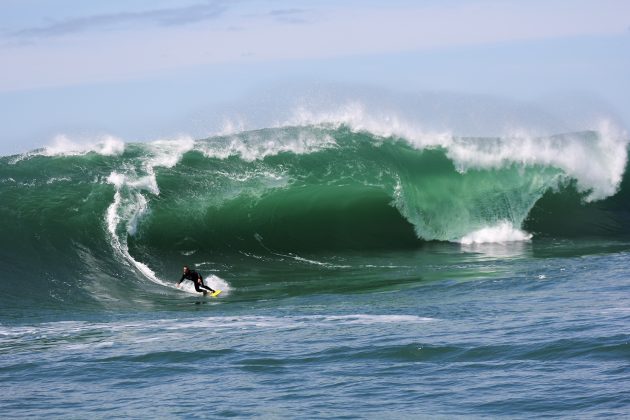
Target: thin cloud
pixel 162 17
pixel 294 16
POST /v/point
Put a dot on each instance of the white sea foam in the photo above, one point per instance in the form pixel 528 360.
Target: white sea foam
pixel 381 124
pixel 310 321
pixel 377 319
pixel 501 233
pixel 63 145
pixel 54 180
pixel 68 329
pixel 167 153
pixel 255 146
pixel 146 183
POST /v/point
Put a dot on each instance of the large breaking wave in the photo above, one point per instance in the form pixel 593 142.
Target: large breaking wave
pixel 320 185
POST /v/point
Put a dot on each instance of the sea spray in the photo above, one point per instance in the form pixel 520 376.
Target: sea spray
pixel 501 233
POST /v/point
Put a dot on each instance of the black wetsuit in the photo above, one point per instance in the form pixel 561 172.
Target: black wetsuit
pixel 194 276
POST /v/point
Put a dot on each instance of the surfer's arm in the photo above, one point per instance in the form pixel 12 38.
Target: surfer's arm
pixel 180 281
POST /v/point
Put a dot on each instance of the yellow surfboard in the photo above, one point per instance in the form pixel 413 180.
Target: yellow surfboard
pixel 215 294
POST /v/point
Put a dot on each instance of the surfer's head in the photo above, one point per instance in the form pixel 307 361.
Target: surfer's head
pixel 186 269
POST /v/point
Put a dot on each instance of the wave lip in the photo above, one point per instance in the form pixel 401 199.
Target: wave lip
pixel 595 157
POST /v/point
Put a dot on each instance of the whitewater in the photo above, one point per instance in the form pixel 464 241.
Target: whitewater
pixel 370 267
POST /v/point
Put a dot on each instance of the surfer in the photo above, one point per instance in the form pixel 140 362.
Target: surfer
pixel 196 279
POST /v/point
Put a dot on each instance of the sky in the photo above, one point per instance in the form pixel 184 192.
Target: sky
pixel 143 70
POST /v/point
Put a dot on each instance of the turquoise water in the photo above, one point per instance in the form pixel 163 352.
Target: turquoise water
pixel 363 276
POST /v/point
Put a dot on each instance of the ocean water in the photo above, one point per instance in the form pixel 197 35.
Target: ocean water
pixel 366 273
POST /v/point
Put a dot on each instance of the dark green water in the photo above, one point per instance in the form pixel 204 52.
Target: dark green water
pixel 363 277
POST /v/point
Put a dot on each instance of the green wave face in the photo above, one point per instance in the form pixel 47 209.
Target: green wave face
pixel 360 193
pixel 321 189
